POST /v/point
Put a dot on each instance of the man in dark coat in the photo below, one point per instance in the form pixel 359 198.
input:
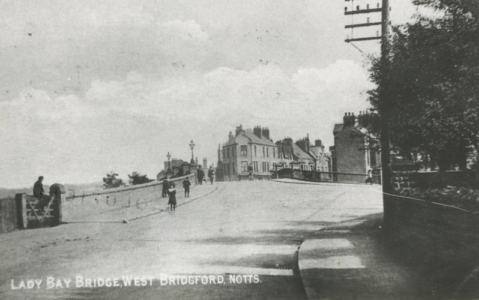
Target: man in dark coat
pixel 201 175
pixel 38 192
pixel 165 188
pixel 211 174
pixel 186 187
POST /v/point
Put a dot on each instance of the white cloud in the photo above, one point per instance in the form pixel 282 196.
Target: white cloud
pixel 129 125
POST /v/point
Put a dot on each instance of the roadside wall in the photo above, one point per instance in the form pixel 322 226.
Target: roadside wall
pixel 114 204
pixel 8 215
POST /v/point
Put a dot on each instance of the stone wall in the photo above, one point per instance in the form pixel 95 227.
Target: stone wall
pixel 8 215
pixel 113 205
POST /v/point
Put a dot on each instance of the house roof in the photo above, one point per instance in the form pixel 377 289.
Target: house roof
pixel 285 150
pixel 300 154
pixel 253 138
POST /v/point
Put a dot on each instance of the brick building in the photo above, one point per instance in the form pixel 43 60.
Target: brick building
pixel 353 150
pixel 248 150
pixel 321 159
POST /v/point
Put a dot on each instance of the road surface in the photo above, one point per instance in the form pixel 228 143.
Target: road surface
pixel 243 233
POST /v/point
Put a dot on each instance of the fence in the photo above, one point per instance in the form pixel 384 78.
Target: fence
pixel 317 176
pixel 8 215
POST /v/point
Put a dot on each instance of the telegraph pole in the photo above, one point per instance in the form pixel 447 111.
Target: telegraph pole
pixel 384 113
pixel 383 105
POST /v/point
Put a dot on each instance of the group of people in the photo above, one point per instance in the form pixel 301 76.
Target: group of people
pixel 201 174
pixel 170 191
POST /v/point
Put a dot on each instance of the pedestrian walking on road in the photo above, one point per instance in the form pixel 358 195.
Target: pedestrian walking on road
pixel 211 174
pixel 370 177
pixel 165 188
pixel 186 186
pixel 201 175
pixel 172 197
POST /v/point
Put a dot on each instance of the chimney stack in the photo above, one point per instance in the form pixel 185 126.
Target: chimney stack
pixel 307 143
pixel 257 131
pixel 239 129
pixel 265 133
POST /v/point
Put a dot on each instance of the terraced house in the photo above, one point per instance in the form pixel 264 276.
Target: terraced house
pixel 249 150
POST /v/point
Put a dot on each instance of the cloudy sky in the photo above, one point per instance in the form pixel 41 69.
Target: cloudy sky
pixel 93 86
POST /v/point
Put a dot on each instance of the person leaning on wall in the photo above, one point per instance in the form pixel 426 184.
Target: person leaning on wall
pixel 39 193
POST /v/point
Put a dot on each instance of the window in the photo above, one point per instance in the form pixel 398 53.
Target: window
pixel 267 152
pixel 274 152
pixel 264 166
pixel 267 164
pixel 255 166
pixel 224 153
pixel 244 166
pixel 234 151
pixel 255 150
pixel 264 153
pixel 244 150
pixel 233 167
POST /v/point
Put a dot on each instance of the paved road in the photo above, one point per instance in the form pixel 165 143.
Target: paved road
pixel 236 228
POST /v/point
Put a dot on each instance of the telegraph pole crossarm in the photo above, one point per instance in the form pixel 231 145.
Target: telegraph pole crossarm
pixel 363 11
pixel 363 39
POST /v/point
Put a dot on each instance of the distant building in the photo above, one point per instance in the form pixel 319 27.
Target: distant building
pixel 298 158
pixel 249 151
pixel 321 159
pixel 178 166
pixel 353 150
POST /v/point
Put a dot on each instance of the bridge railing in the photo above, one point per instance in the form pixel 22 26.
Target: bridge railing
pixel 318 176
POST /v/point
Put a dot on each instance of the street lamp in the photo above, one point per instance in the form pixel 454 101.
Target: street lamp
pixel 192 146
pixel 169 156
pixel 169 173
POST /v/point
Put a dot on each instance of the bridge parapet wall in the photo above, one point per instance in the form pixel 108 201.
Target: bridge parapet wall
pixel 114 204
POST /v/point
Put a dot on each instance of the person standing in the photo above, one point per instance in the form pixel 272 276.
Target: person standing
pixel 165 188
pixel 172 197
pixel 186 186
pixel 201 175
pixel 211 174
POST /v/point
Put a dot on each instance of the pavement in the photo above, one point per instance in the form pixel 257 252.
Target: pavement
pixel 359 259
pixel 351 260
pixel 231 228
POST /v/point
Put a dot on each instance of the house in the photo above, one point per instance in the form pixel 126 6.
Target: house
pixel 249 151
pixel 296 157
pixel 322 160
pixel 354 150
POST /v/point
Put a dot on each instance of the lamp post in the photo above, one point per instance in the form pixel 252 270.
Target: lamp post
pixel 192 146
pixel 169 172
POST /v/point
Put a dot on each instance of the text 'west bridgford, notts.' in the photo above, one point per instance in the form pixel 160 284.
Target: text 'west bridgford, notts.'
pixel 131 281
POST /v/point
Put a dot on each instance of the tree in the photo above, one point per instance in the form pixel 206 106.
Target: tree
pixel 136 178
pixel 110 181
pixel 432 84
